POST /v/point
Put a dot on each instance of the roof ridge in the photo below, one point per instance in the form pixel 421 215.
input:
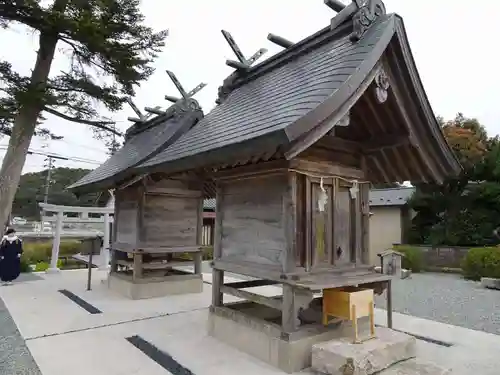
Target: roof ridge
pixel 356 18
pixel 177 109
pixel 309 43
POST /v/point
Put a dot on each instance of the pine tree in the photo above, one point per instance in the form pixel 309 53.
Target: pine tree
pixel 106 40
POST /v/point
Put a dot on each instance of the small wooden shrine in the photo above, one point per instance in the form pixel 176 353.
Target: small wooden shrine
pixel 291 151
pixel 158 219
pixel 391 262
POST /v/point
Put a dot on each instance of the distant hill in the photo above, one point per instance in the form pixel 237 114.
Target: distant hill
pixel 32 187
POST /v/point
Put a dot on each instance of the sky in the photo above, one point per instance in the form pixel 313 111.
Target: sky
pixel 450 40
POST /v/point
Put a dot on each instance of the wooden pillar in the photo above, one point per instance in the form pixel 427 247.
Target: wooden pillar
pixel 114 263
pixel 137 272
pixel 287 313
pixel 308 221
pixel 365 223
pixel 290 220
pixel 358 225
pixel 293 300
pixel 218 275
pixel 105 246
pixel 197 257
pixel 389 304
pixel 56 243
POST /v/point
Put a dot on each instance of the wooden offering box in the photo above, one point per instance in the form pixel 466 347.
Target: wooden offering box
pixel 349 303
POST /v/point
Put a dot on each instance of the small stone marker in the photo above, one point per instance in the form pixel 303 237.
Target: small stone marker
pixel 369 357
pixel 405 273
pixel 490 283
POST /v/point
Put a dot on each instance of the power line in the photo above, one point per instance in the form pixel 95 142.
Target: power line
pixel 59 156
pixel 80 145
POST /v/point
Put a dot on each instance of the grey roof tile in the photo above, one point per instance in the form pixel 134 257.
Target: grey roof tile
pixel 137 149
pixel 278 97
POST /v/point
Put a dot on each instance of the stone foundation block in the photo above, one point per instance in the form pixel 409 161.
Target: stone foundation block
pixel 389 347
pixel 490 283
pixel 181 285
pixel 416 367
pixel 405 273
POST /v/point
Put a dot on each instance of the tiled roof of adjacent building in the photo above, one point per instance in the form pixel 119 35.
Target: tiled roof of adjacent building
pixel 390 197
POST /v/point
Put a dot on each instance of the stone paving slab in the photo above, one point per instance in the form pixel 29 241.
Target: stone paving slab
pixel 178 327
pixel 15 358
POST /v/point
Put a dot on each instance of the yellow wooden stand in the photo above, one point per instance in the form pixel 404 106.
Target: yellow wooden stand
pixel 349 303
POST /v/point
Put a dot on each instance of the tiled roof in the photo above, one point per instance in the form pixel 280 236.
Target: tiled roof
pixel 137 149
pixel 279 93
pixel 390 197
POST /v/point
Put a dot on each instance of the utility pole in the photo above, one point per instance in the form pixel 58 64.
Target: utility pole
pixel 47 178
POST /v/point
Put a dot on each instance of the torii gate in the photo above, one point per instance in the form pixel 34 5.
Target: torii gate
pixel 83 217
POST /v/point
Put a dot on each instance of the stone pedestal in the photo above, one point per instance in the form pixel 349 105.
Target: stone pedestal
pixel 143 290
pixel 372 356
pixel 252 331
pixel 490 283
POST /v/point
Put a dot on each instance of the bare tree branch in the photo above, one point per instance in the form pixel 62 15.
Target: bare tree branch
pixel 98 124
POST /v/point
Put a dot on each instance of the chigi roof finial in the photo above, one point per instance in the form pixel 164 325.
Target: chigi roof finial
pixel 140 116
pixel 184 100
pixel 363 13
pixel 242 63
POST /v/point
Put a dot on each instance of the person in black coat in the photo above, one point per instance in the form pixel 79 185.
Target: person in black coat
pixel 11 249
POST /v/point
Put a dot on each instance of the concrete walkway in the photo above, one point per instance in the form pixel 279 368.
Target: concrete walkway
pixel 65 338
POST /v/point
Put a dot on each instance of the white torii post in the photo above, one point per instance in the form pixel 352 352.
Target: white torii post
pixel 55 244
pixel 105 246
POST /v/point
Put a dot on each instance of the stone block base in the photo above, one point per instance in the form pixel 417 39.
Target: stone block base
pixel 252 331
pixel 490 283
pixel 177 285
pixel 415 367
pixel 371 356
pixel 405 273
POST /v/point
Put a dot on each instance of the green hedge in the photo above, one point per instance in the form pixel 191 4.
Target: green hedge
pixel 208 254
pixel 413 259
pixel 481 262
pixel 36 252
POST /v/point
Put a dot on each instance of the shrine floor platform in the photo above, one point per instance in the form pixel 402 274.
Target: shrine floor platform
pixel 100 333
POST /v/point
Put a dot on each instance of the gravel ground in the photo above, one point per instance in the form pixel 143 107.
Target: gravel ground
pixel 15 358
pixel 448 299
pixel 441 297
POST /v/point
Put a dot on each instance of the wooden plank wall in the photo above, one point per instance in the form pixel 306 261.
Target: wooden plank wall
pixel 126 211
pixel 171 214
pixel 253 227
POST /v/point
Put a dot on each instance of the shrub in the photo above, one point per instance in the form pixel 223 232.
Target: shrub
pixel 481 262
pixel 413 258
pixel 25 266
pixel 36 252
pixel 208 254
pixel 42 267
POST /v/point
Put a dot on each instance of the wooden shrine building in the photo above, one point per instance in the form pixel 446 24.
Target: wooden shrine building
pixel 291 151
pixel 156 217
pixel 289 154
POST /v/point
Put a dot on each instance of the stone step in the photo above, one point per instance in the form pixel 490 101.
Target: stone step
pixel 415 367
pixel 342 356
pixel 490 283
